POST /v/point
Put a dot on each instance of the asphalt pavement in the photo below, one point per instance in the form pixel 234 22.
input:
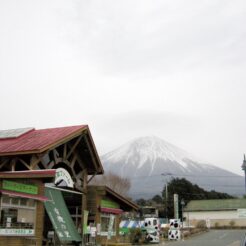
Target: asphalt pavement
pixel 211 238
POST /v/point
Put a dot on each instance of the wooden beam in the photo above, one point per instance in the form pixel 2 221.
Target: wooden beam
pixel 35 159
pixel 73 161
pixel 91 152
pixel 55 155
pixel 81 163
pixel 3 163
pixel 24 163
pixel 65 151
pixel 13 164
pixel 91 178
pixel 74 146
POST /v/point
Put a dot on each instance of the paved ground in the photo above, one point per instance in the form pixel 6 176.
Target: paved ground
pixel 211 238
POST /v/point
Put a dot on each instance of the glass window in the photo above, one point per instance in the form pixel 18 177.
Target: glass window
pixel 105 219
pixel 6 199
pixel 23 202
pixel 17 216
pixel 15 201
pixel 30 203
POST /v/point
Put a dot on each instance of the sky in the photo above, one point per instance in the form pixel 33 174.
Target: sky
pixel 175 69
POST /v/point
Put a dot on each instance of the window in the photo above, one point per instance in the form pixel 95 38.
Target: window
pixel 17 216
pixel 105 220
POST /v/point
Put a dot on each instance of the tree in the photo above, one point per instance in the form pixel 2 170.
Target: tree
pixel 157 199
pixel 115 182
pixel 187 191
pixel 141 202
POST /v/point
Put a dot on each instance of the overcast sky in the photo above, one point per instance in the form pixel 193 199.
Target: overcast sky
pixel 170 68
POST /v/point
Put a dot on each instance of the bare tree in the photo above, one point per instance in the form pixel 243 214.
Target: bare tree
pixel 117 183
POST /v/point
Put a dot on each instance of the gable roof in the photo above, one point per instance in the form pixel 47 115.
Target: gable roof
pixel 37 141
pixel 32 141
pixel 215 205
pixel 125 203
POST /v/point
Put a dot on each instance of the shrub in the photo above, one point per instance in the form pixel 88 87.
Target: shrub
pixel 232 223
pixel 201 224
pixel 135 235
pixel 216 224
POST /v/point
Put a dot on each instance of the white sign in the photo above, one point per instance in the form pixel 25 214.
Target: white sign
pixel 62 175
pixel 16 232
pixel 93 231
pixel 110 226
pixel 241 213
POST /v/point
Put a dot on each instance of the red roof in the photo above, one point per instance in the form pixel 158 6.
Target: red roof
pixel 46 173
pixel 24 195
pixel 38 140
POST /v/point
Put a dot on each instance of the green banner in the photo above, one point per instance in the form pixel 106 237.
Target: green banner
pixel 60 217
pixel 14 186
pixel 85 230
pixel 109 204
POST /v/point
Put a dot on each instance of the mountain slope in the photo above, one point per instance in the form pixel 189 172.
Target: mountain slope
pixel 150 161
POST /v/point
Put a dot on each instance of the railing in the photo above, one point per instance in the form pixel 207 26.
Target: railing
pixel 243 241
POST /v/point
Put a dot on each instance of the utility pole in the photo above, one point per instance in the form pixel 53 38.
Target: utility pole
pixel 244 169
pixel 176 206
pixel 182 207
pixel 166 203
pixel 166 191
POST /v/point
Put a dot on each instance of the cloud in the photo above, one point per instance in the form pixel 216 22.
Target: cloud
pixel 175 69
pixel 161 37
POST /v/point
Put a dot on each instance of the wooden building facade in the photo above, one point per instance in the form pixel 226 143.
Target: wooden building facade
pixel 104 205
pixel 71 152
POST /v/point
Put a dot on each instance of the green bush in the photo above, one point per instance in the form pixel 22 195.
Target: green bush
pixel 216 224
pixel 201 224
pixel 232 223
pixel 135 235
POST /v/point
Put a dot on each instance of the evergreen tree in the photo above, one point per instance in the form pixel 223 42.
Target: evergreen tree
pixel 187 192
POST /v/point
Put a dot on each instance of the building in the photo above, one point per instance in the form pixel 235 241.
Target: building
pixel 149 212
pixel 104 205
pixel 71 152
pixel 220 212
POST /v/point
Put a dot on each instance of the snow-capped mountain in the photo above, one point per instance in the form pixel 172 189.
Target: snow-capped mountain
pixel 150 162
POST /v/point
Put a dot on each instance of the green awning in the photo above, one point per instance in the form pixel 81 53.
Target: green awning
pixel 60 217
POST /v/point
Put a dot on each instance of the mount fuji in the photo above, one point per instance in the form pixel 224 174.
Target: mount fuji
pixel 150 162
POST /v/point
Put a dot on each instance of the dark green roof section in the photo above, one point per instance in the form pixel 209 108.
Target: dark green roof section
pixel 215 205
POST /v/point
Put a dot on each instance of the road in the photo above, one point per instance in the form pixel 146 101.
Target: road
pixel 212 238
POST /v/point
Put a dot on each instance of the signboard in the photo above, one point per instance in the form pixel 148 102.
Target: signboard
pixel 14 186
pixel 241 213
pixel 17 232
pixel 109 204
pixel 93 231
pixel 98 229
pixel 60 216
pixel 110 226
pixel 62 175
pixel 85 229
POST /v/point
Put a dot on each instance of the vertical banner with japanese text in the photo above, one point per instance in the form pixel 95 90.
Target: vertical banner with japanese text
pixel 60 217
pixel 85 230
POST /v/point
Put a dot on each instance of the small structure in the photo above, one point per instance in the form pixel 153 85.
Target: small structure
pixel 244 169
pixel 174 232
pixel 71 153
pixel 152 227
pixel 22 210
pixel 219 212
pixel 149 212
pixel 106 207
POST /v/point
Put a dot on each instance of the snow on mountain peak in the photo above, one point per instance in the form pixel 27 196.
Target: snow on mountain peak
pixel 150 149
